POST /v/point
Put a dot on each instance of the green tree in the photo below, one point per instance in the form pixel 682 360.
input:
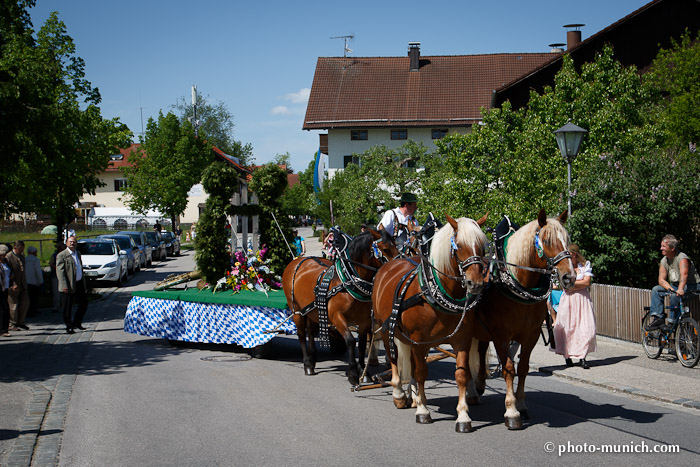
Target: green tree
pixel 300 199
pixel 219 180
pixel 361 191
pixel 269 182
pixel 215 126
pixel 675 72
pixel 53 136
pixel 168 163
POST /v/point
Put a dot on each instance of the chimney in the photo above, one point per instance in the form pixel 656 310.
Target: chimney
pixel 557 48
pixel 414 56
pixel 573 35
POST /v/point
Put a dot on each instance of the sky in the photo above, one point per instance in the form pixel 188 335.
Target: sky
pixel 259 57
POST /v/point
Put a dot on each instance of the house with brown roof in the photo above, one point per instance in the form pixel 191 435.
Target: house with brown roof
pixel 636 40
pixel 370 101
pixel 110 195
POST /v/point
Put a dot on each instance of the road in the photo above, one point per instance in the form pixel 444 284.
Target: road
pixel 133 400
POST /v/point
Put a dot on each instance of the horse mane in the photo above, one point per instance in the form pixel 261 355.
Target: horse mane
pixel 521 242
pixel 468 233
pixel 358 245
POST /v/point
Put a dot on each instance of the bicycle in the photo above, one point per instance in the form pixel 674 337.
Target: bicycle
pixel 684 333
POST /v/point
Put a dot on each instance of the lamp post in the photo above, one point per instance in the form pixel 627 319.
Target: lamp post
pixel 569 140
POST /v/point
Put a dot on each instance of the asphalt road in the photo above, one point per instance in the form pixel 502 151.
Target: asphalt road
pixel 133 400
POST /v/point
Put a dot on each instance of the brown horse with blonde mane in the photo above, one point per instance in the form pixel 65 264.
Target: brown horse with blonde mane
pixel 425 301
pixel 513 306
pixel 348 301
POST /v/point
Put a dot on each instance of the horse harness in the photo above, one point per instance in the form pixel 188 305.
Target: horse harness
pixel 433 293
pixel 350 282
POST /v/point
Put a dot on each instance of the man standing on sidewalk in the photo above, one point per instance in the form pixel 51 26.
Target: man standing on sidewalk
pixel 71 284
pixel 17 296
pixel 35 280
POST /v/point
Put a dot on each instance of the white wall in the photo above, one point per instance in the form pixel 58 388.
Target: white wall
pixel 340 144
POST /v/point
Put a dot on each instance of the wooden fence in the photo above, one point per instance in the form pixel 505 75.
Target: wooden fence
pixel 619 310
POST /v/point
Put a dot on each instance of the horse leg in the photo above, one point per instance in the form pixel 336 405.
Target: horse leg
pixel 482 374
pixel 361 347
pixel 310 358
pixel 463 378
pixel 477 382
pixel 400 372
pixel 511 416
pixel 351 372
pixel 523 370
pixel 420 373
pixel 303 329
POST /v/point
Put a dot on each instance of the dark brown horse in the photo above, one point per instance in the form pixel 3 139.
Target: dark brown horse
pixel 349 301
pixel 425 301
pixel 513 306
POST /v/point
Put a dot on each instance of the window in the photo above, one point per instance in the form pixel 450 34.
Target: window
pixel 439 133
pixel 121 224
pixel 350 160
pixel 358 135
pixel 120 184
pixel 142 224
pixel 399 134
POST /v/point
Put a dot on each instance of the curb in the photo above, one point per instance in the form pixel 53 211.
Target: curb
pixel 693 404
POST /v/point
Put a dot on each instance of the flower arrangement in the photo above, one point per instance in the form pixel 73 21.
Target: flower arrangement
pixel 250 272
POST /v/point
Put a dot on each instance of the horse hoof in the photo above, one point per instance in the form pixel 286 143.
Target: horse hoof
pixel 401 403
pixel 354 380
pixel 423 418
pixel 524 415
pixel 513 423
pixel 309 371
pixel 473 401
pixel 464 427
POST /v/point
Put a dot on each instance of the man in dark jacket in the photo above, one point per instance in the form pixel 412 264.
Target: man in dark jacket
pixel 71 285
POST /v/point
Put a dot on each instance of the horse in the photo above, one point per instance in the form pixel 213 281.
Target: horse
pixel 340 290
pixel 513 306
pixel 432 309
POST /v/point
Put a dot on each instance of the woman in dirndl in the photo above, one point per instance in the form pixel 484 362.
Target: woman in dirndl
pixel 574 323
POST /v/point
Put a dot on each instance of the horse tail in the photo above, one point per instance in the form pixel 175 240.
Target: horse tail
pixel 474 358
pixel 403 360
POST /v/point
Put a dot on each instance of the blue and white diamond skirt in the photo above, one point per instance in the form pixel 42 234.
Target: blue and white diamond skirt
pixel 205 322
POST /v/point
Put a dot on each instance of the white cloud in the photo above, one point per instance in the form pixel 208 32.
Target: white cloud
pixel 299 97
pixel 280 110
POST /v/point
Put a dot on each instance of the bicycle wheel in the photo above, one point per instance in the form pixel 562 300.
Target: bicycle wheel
pixel 687 343
pixel 651 340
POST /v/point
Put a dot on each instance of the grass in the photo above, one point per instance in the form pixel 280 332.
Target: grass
pixel 45 244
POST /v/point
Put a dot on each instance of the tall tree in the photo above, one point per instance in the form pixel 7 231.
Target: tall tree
pixel 300 199
pixel 269 182
pixel 361 191
pixel 168 163
pixel 51 130
pixel 215 126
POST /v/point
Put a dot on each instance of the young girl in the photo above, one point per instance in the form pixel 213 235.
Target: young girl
pixel 574 324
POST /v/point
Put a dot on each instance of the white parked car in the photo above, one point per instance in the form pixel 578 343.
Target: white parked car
pixel 102 260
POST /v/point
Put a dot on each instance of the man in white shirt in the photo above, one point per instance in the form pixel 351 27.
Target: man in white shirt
pixel 401 216
pixel 71 284
pixel 35 280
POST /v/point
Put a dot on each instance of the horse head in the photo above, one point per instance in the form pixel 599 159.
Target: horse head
pixel 383 248
pixel 551 245
pixel 458 250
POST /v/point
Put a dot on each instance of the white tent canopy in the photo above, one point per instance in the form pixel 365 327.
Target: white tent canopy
pixel 122 218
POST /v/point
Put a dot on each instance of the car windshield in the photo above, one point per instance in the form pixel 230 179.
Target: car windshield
pixel 136 237
pixel 151 236
pixel 123 242
pixel 95 248
pixel 166 235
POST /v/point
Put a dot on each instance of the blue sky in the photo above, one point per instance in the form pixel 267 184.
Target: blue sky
pixel 259 57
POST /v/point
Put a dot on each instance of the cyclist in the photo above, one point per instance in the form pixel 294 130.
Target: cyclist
pixel 677 274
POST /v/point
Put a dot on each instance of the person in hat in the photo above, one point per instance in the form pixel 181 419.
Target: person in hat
pixel 401 217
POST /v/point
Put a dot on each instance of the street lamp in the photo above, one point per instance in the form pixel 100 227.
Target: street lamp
pixel 569 140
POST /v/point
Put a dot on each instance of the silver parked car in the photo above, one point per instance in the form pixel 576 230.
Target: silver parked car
pixel 142 244
pixel 133 254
